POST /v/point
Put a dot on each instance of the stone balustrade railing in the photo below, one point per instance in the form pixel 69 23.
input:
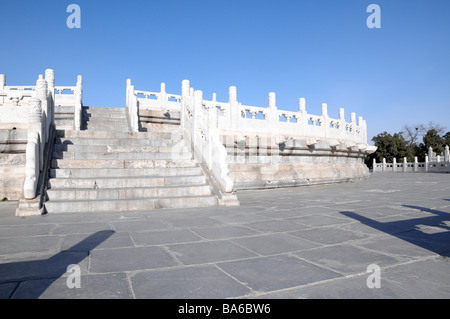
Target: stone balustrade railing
pixel 234 117
pixel 433 163
pixel 206 122
pixel 71 96
pixel 32 109
pixel 132 107
pixel 198 118
pixel 12 98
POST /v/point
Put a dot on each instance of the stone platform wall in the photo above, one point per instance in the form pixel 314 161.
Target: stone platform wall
pixel 256 147
pixel 254 162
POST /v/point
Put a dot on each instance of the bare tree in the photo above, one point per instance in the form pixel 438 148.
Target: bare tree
pixel 412 133
pixel 437 127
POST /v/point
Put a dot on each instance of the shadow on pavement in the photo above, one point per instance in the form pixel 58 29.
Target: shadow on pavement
pixel 429 232
pixel 49 269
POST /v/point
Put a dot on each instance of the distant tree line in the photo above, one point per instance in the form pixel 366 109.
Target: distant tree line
pixel 412 141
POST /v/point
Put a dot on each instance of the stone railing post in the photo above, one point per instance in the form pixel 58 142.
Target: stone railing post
pixel 198 101
pixel 342 121
pixel 374 165
pixel 235 112
pixel 364 132
pixel 185 87
pixel 134 118
pixel 2 82
pixel 361 138
pixel 405 164
pixel 326 125
pixel 394 164
pixel 426 163
pixel 430 154
pixel 132 107
pixel 127 100
pixel 211 133
pixel 301 121
pixel 162 99
pixel 50 78
pixel 273 117
pixel 2 86
pixel 42 94
pixel 384 164
pixel 447 154
pixel 353 121
pixel 34 150
pixel 78 103
pixel 416 164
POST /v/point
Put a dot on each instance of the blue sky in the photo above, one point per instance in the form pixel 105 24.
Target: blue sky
pixel 321 50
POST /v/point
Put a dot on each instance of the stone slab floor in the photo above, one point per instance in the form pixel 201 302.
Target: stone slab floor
pixel 306 242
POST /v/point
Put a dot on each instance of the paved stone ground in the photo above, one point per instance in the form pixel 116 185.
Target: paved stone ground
pixel 307 242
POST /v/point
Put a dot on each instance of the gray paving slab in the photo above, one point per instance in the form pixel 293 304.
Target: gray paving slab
pixel 274 225
pixel 319 220
pixel 7 289
pixel 25 230
pixel 340 288
pixel 209 252
pixel 32 244
pixel 224 232
pixel 188 282
pixel 305 242
pixel 193 221
pixel 104 286
pixel 328 235
pixel 276 272
pixel 80 228
pixel 164 237
pixel 138 225
pixel 44 266
pixel 128 259
pixel 240 218
pixel 421 279
pixel 395 246
pixel 272 244
pixel 116 240
pixel 346 259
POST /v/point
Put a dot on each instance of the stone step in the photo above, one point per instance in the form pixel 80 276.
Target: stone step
pixel 64 109
pixel 123 172
pixel 125 182
pixel 105 168
pixel 127 193
pixel 113 128
pixel 77 148
pixel 122 156
pixel 106 120
pixel 13 136
pixel 172 135
pixel 64 163
pixel 103 109
pixel 64 116
pixel 80 141
pixel 83 206
pixel 105 117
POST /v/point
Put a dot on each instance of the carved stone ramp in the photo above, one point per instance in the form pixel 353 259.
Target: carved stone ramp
pixel 104 167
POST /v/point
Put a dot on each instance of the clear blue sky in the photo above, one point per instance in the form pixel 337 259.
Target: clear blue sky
pixel 321 50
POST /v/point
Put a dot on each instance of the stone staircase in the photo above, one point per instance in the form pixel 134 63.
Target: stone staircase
pixel 104 167
pixel 64 117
